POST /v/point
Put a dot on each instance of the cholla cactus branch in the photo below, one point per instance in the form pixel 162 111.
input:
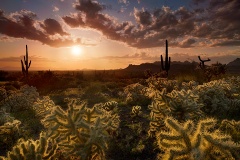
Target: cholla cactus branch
pixel 188 141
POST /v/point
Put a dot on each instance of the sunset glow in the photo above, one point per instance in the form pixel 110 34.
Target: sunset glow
pixel 116 33
pixel 76 50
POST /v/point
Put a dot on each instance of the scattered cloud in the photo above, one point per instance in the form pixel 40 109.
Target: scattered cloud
pixel 23 24
pixel 18 59
pixel 208 21
pixel 218 21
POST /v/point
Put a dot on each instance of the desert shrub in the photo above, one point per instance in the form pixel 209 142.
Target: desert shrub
pixel 21 99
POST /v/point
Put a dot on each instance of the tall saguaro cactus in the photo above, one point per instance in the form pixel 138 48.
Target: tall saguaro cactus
pixel 25 64
pixel 166 67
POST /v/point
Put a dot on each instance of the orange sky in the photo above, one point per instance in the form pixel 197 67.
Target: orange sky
pixel 111 35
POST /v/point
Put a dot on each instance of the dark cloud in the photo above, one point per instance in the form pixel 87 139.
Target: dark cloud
pixel 209 20
pixel 23 24
pixel 51 26
pixel 227 43
pixel 143 17
pixel 187 43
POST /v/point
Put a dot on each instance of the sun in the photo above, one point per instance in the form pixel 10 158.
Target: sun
pixel 76 50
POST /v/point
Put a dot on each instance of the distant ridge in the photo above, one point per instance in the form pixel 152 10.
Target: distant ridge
pixel 178 67
pixel 234 66
pixel 236 62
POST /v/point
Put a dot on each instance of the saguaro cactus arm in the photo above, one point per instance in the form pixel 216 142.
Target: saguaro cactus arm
pixel 203 61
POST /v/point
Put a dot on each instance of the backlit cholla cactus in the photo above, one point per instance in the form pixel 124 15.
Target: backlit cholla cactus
pixel 21 99
pixel 231 127
pixel 189 85
pixel 42 149
pixel 136 111
pixel 110 106
pixel 3 95
pixel 43 106
pixel 159 110
pixel 218 97
pixel 135 94
pixel 161 83
pixel 9 129
pixel 81 131
pixel 195 142
pixel 184 105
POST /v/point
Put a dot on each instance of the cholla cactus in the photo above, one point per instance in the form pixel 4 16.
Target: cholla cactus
pixel 159 110
pixel 231 128
pixel 189 85
pixel 187 141
pixel 81 131
pixel 135 94
pixel 21 99
pixel 42 149
pixel 218 97
pixel 184 105
pixel 3 95
pixel 136 111
pixel 161 83
pixel 110 106
pixel 42 107
pixel 9 130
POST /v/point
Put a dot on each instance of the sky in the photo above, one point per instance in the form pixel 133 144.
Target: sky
pixel 111 34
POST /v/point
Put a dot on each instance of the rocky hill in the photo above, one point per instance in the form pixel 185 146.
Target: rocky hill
pixel 234 66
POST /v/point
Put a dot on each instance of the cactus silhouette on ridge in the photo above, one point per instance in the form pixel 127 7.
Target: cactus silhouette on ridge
pixel 166 67
pixel 25 65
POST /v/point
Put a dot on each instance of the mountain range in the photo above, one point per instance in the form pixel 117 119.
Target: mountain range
pixel 181 67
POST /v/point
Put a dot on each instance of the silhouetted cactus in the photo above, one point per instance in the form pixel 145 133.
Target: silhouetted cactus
pixel 166 67
pixel 202 66
pixel 25 64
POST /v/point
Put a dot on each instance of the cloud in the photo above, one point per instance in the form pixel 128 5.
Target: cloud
pixel 217 20
pixel 18 59
pixel 51 26
pixel 23 24
pixel 55 9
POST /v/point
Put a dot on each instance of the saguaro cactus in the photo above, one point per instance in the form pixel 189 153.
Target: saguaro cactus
pixel 166 67
pixel 26 64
